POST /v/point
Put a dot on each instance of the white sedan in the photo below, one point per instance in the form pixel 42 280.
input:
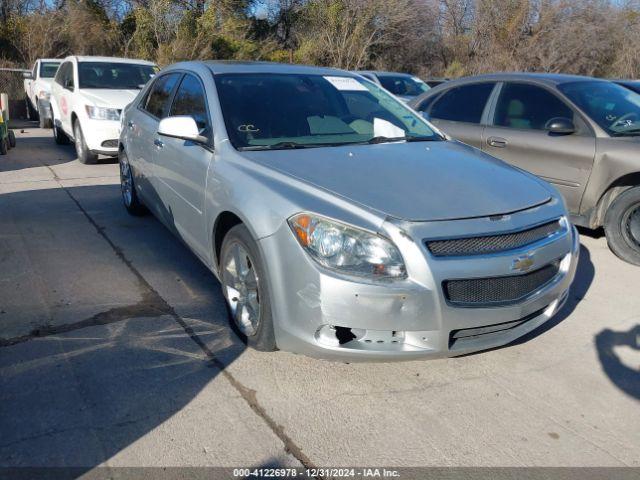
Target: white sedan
pixel 87 97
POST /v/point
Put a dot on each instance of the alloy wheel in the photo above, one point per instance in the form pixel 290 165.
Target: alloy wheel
pixel 240 286
pixel 126 182
pixel 78 140
pixel 631 225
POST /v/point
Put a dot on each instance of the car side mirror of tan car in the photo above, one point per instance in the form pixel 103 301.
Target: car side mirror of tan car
pixel 560 126
pixel 183 127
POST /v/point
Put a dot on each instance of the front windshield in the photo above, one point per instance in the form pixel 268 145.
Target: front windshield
pixel 271 111
pixel 403 85
pixel 48 69
pixel 615 108
pixel 118 76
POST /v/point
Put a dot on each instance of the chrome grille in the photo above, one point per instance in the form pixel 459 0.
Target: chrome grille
pixel 492 243
pixel 492 291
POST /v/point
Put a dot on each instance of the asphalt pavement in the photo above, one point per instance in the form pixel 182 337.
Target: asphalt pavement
pixel 115 351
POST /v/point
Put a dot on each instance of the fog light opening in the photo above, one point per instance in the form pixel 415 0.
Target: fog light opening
pixel 344 335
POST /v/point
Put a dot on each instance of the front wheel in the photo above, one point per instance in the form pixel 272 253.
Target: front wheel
pixel 59 136
pixel 622 226
pixel 127 187
pixel 32 113
pixel 4 146
pixel 246 290
pixel 84 154
pixel 11 136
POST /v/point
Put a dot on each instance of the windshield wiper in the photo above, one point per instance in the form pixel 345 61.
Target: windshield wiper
pixel 407 138
pixel 282 146
pixel 634 132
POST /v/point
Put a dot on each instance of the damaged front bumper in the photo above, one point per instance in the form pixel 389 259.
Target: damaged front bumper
pixel 321 314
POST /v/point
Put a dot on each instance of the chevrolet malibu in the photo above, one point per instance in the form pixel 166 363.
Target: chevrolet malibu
pixel 339 222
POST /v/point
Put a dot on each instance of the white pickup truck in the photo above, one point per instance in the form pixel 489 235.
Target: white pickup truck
pixel 37 89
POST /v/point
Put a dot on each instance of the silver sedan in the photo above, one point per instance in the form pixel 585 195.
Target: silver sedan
pixel 339 222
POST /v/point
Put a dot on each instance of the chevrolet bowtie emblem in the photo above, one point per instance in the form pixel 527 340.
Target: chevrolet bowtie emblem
pixel 522 263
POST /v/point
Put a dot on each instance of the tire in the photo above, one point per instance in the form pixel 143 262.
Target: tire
pixel 32 114
pixel 84 155
pixel 11 136
pixel 622 226
pixel 128 189
pixel 4 146
pixel 238 243
pixel 59 136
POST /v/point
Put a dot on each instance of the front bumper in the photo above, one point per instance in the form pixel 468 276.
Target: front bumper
pixel 408 319
pixel 101 136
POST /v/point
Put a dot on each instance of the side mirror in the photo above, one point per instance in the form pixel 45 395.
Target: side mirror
pixel 27 75
pixel 68 84
pixel 560 126
pixel 181 126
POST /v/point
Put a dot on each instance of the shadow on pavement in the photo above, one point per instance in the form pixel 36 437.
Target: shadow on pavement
pixel 624 377
pixel 80 396
pixel 37 150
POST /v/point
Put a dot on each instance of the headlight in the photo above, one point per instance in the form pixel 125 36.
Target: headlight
pixel 102 113
pixel 347 249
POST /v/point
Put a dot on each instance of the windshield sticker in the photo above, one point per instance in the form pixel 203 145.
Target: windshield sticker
pixel 346 83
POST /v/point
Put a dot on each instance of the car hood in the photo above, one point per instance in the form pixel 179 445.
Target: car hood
pixel 419 181
pixel 109 97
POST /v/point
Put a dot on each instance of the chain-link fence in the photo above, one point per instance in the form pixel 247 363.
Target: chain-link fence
pixel 12 83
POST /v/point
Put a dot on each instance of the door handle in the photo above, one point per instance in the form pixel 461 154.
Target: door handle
pixel 158 143
pixel 498 142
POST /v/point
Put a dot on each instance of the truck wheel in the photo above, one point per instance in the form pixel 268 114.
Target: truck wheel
pixel 12 139
pixel 4 146
pixel 84 155
pixel 622 226
pixel 59 136
pixel 246 290
pixel 31 112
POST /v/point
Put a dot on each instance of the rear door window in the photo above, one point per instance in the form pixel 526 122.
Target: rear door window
pixel 157 101
pixel 462 104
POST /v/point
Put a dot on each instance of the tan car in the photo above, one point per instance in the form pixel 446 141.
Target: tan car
pixel 579 133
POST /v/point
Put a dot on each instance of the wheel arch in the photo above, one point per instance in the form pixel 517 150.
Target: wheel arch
pixel 224 222
pixel 613 190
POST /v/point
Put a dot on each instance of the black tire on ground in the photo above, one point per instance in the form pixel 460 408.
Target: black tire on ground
pixel 264 337
pixel 4 146
pixel 84 155
pixel 11 136
pixel 131 202
pixel 622 225
pixel 59 136
pixel 32 114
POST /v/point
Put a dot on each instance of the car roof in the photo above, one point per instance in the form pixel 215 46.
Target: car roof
pixel 230 66
pixel 89 58
pixel 58 60
pixel 551 79
pixel 381 73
